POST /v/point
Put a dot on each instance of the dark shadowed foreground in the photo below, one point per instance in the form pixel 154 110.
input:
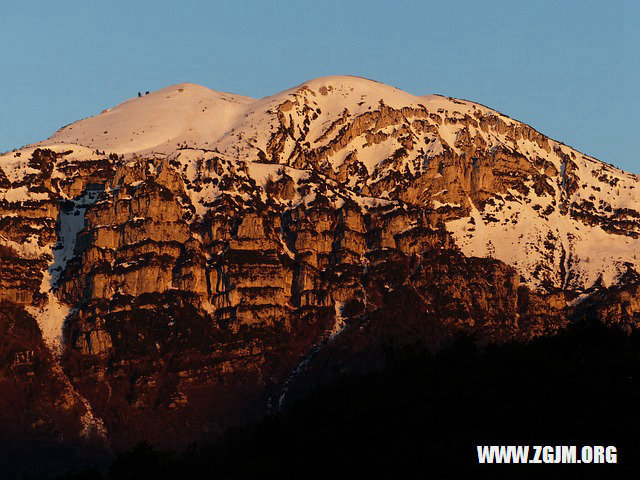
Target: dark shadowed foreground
pixel 426 413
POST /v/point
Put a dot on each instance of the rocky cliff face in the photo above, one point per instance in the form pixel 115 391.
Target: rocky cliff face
pixel 193 270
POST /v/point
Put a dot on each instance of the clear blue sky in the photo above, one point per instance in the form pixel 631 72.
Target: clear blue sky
pixel 571 69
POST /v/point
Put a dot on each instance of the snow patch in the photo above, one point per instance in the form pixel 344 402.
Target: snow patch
pixel 70 222
pixel 50 317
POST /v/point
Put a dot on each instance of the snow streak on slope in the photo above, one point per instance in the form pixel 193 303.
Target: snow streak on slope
pixel 71 221
pixel 51 317
pixel 52 314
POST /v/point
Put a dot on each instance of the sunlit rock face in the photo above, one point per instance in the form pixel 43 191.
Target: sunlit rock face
pixel 191 259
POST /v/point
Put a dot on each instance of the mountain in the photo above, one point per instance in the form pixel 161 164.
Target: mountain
pixel 190 260
pixel 508 185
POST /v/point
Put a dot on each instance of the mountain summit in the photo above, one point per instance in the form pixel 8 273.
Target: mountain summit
pixel 190 259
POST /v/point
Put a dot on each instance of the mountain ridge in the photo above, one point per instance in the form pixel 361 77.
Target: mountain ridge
pixel 347 80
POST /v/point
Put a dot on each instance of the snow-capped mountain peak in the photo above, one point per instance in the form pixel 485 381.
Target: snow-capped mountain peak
pixel 566 221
